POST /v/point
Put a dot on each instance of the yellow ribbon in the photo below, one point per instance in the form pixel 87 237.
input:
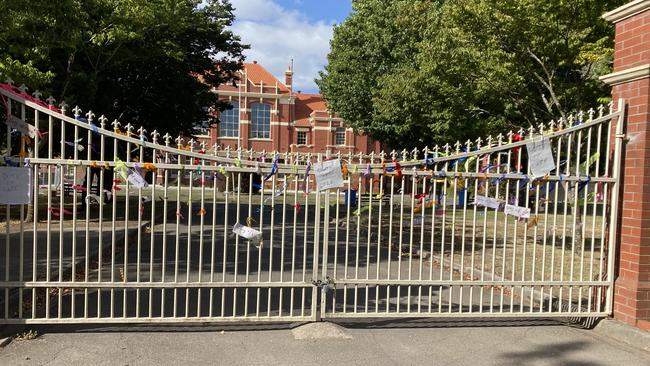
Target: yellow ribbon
pixel 121 168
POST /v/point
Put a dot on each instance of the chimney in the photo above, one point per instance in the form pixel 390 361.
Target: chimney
pixel 288 77
pixel 255 62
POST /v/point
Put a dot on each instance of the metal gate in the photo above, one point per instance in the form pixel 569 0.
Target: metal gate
pixel 125 226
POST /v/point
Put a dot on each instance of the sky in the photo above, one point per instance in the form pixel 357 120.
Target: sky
pixel 279 30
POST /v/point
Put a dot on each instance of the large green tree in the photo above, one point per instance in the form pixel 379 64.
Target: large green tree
pixel 412 73
pixel 134 60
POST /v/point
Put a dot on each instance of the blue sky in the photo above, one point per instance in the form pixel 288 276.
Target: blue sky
pixel 279 30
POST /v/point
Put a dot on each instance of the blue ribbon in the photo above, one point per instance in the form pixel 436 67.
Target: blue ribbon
pixel 10 162
pixel 274 169
pixel 496 181
pixel 582 185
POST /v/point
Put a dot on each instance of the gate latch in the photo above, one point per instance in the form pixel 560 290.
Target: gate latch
pixel 326 286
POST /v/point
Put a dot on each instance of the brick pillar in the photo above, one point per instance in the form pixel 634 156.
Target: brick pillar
pixel 630 80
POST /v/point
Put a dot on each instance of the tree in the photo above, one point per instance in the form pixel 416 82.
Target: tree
pixel 423 72
pixel 133 60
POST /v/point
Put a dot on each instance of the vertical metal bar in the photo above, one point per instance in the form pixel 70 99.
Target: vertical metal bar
pixel 35 192
pixel 613 221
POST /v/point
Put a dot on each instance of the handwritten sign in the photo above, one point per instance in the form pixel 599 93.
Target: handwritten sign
pixel 328 174
pixel 246 232
pixel 137 180
pixel 487 202
pixel 21 126
pixel 520 212
pixel 540 157
pixel 15 185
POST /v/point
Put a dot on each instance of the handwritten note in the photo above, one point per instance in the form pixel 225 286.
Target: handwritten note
pixel 540 157
pixel 487 202
pixel 520 212
pixel 328 174
pixel 246 232
pixel 15 185
pixel 137 180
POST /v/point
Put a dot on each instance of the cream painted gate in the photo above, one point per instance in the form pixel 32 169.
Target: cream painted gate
pixel 168 230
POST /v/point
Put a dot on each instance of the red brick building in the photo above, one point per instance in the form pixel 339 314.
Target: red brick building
pixel 268 115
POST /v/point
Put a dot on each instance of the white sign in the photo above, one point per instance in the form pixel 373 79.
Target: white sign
pixel 487 202
pixel 21 126
pixel 137 180
pixel 520 212
pixel 246 232
pixel 15 185
pixel 540 157
pixel 328 174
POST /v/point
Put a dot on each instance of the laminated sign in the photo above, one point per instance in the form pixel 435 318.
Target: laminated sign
pixel 15 185
pixel 246 232
pixel 517 211
pixel 137 180
pixel 487 202
pixel 328 174
pixel 540 157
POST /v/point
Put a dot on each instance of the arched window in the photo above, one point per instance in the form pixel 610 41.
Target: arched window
pixel 260 121
pixel 229 125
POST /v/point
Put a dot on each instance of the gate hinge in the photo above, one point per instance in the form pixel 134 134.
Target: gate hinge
pixel 327 285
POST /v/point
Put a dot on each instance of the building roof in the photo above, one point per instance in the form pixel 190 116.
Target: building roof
pixel 306 104
pixel 257 74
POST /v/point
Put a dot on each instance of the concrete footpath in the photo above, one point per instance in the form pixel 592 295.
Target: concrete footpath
pixel 405 342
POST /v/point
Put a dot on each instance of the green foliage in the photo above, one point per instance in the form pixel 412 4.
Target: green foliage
pixel 134 60
pixel 412 73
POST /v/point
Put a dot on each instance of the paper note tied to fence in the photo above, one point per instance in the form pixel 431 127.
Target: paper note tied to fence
pixel 540 157
pixel 137 180
pixel 21 126
pixel 15 185
pixel 328 174
pixel 487 202
pixel 517 211
pixel 246 232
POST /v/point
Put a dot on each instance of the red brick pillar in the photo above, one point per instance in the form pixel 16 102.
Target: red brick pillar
pixel 631 81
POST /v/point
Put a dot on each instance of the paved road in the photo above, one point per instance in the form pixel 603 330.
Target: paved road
pixel 412 342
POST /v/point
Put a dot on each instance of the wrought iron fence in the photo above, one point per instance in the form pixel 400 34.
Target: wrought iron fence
pixel 126 226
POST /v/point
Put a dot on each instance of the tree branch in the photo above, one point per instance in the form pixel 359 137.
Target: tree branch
pixel 548 83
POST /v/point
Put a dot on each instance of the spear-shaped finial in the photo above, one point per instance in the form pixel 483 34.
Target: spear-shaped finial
pixel 154 136
pixel 37 95
pixel 167 138
pixel 129 129
pixel 50 100
pixel 23 88
pixel 64 107
pixel 116 125
pixel 77 111
pixel 90 116
pixel 102 121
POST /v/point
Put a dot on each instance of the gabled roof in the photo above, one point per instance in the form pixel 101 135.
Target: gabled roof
pixel 256 73
pixel 306 104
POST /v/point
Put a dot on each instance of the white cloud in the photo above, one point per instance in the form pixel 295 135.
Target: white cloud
pixel 277 35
